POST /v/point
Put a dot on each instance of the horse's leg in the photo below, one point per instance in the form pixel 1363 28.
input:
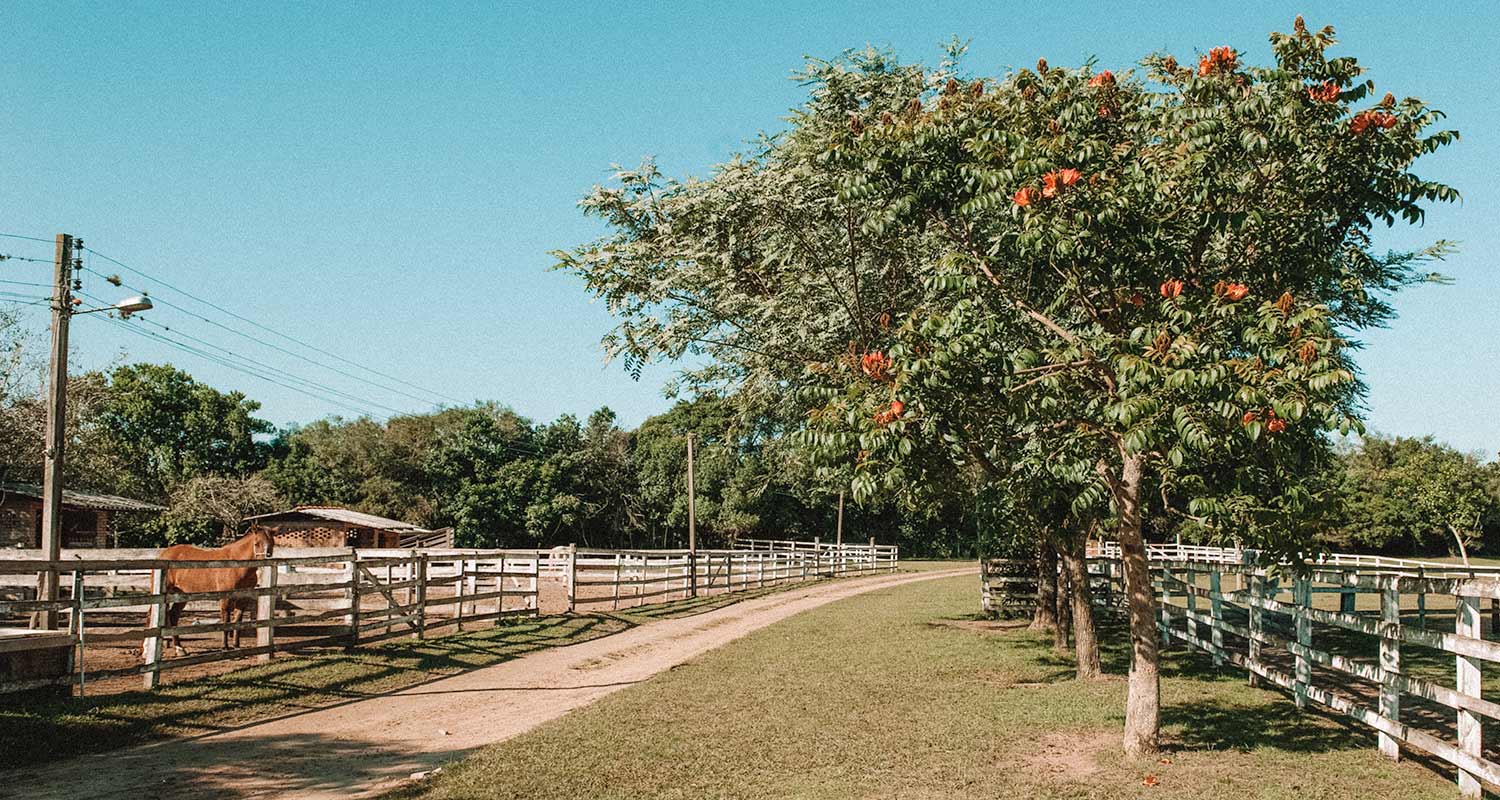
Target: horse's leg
pixel 174 614
pixel 226 610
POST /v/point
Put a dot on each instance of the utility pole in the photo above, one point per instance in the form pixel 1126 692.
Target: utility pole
pixel 57 407
pixel 692 525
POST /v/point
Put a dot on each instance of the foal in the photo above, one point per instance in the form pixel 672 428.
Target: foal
pixel 258 543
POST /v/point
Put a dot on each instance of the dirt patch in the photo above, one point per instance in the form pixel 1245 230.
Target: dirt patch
pixel 1071 756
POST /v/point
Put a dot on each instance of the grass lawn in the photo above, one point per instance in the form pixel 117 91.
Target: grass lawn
pixel 899 693
pixel 37 729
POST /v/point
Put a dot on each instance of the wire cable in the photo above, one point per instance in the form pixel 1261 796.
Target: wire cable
pixel 430 393
pixel 256 367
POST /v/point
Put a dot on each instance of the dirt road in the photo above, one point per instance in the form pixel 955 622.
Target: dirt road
pixel 363 748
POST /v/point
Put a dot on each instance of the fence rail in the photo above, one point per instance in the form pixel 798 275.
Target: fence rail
pixel 336 597
pixel 1407 662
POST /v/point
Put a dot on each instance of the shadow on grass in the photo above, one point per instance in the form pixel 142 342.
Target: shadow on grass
pixel 37 729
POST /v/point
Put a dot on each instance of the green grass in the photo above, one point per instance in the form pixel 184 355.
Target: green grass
pixel 887 695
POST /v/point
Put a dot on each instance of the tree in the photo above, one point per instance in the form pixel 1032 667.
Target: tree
pixel 931 258
pixel 223 499
pixel 1414 495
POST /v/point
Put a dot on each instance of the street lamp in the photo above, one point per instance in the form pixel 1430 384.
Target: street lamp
pixel 57 405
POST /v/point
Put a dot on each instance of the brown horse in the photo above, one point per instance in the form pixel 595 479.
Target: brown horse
pixel 258 543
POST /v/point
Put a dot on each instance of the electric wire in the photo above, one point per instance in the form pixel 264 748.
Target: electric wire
pixel 430 393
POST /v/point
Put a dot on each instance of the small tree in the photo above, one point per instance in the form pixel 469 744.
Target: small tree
pixel 223 499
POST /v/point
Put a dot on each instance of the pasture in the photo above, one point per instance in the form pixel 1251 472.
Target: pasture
pixel 903 692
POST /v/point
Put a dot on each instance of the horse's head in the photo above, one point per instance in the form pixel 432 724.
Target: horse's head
pixel 262 543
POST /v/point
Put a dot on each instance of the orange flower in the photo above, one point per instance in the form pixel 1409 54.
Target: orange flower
pixel 1049 185
pixel 1070 176
pixel 1284 302
pixel 952 86
pixel 1276 425
pixel 897 408
pixel 1105 112
pixel 1249 417
pixel 1041 66
pixel 1171 288
pixel 1204 66
pixel 1136 300
pixel 1023 196
pixel 1236 291
pixel 976 89
pixel 1364 120
pixel 875 364
pixel 1308 352
pixel 1105 78
pixel 856 127
pixel 1219 59
pixel 1327 93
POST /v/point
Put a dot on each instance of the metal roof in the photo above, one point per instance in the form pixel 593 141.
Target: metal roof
pixel 336 514
pixel 88 502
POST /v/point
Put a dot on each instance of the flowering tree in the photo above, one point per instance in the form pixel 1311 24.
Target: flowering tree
pixel 1142 287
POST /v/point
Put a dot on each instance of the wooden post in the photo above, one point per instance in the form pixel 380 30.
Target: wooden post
pixel 1495 617
pixel 1256 587
pixel 420 568
pixel 157 619
pixel 458 594
pixel 1470 732
pixel 818 553
pixel 389 571
pixel 75 625
pixel 1164 613
pixel 1390 663
pixel 500 590
pixel 1216 613
pixel 1421 599
pixel 619 561
pixel 1191 598
pixel 353 594
pixel 1303 626
pixel 265 612
pixel 572 575
pixel 760 571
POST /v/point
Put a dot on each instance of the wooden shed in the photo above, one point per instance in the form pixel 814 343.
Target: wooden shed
pixel 88 520
pixel 331 526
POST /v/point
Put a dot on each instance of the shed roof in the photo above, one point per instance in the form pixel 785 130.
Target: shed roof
pixel 337 514
pixel 82 500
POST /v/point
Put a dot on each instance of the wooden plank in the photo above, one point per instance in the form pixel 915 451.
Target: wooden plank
pixel 1469 729
pixel 1216 613
pixel 1303 628
pixel 1390 663
pixel 265 611
pixel 157 619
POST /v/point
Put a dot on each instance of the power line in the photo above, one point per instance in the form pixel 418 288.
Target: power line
pixel 27 238
pixel 257 367
pixel 430 393
pixel 226 363
pixel 28 283
pixel 8 257
pixel 258 340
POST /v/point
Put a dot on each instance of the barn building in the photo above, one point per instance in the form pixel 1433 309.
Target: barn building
pixel 331 526
pixel 88 520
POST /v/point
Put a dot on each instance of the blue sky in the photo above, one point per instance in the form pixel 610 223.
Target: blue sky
pixel 384 180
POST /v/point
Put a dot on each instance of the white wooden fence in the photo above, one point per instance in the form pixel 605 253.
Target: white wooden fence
pixel 317 598
pixel 1382 665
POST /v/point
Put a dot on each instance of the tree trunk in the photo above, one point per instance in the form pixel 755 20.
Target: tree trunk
pixel 1045 616
pixel 1085 636
pixel 1064 618
pixel 1143 703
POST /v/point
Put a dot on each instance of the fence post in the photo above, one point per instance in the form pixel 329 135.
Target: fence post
pixel 158 620
pixel 1255 585
pixel 420 565
pixel 265 613
pixel 500 591
pixel 1470 732
pixel 572 575
pixel 1163 612
pixel 1421 598
pixel 1190 577
pixel 1303 599
pixel 353 594
pixel 818 554
pixel 389 614
pixel 1390 662
pixel 458 594
pixel 619 560
pixel 1216 613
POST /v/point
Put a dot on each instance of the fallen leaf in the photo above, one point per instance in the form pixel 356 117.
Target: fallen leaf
pixel 1150 780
